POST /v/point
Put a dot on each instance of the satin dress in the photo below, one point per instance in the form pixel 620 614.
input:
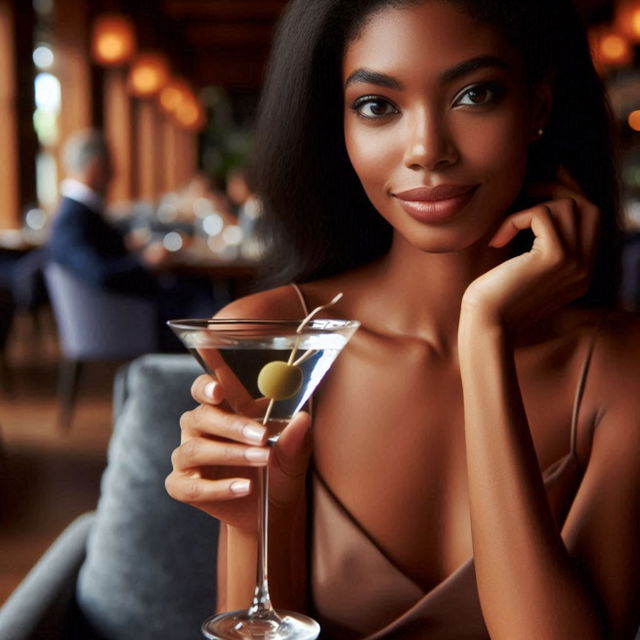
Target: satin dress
pixel 358 592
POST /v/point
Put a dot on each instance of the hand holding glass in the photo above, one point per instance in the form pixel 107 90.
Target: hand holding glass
pixel 268 370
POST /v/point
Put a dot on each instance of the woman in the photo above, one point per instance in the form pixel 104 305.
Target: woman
pixel 473 458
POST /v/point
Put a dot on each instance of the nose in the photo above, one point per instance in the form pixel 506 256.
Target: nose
pixel 429 144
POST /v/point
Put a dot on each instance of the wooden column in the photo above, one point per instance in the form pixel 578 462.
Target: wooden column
pixel 28 144
pixel 180 159
pixel 170 155
pixel 148 150
pixel 18 144
pixel 118 129
pixel 186 156
pixel 73 66
pixel 9 175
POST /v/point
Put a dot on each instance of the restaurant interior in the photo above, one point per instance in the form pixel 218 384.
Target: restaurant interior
pixel 174 86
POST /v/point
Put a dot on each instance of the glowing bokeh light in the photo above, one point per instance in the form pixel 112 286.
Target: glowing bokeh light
pixel 148 74
pixel 634 120
pixel 43 56
pixel 172 241
pixel 113 41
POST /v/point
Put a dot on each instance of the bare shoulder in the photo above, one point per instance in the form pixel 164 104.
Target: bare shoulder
pixel 612 386
pixel 281 303
pixel 612 338
pixel 617 348
pixel 615 334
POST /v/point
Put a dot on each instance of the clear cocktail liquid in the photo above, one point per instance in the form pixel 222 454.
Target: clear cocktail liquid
pixel 237 369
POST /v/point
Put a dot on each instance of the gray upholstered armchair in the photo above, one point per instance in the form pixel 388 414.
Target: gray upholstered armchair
pixel 141 566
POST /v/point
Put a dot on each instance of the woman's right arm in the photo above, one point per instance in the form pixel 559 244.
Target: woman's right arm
pixel 214 469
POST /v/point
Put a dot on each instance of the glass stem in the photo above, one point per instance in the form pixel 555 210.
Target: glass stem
pixel 261 605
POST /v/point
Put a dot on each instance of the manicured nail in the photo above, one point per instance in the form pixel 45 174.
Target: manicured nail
pixel 209 390
pixel 240 487
pixel 256 455
pixel 253 433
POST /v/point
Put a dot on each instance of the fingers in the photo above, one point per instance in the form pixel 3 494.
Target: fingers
pixel 212 420
pixel 294 445
pixel 292 450
pixel 208 420
pixel 554 225
pixel 536 218
pixel 563 227
pixel 564 244
pixel 207 389
pixel 193 490
pixel 587 214
pixel 201 452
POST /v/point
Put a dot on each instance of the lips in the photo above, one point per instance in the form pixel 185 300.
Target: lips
pixel 434 194
pixel 435 204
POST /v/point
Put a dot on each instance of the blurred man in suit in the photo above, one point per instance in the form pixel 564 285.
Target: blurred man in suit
pixel 81 239
pixel 85 243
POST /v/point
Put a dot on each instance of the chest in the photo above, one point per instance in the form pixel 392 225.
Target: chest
pixel 389 440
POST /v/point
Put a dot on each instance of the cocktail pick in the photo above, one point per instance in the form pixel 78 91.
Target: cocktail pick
pixel 279 380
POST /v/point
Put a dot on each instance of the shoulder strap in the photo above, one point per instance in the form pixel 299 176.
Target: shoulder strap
pixel 582 381
pixel 303 302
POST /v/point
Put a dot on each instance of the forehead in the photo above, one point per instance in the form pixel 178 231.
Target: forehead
pixel 434 36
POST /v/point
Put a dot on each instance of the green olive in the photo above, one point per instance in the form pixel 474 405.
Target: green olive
pixel 279 381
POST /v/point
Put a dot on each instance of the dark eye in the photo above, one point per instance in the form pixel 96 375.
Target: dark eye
pixel 479 94
pixel 373 107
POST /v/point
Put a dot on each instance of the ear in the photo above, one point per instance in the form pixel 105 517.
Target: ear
pixel 542 102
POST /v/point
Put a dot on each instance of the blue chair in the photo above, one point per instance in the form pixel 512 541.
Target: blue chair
pixel 95 325
pixel 142 566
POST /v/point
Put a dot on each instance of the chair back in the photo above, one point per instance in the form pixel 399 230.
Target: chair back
pixel 94 324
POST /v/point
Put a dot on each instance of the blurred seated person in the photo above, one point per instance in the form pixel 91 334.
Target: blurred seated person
pixel 200 196
pixel 84 242
pixel 81 239
pixel 247 208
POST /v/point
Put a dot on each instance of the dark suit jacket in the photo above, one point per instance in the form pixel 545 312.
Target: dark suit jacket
pixel 83 242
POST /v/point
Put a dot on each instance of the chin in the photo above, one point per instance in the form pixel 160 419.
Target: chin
pixel 440 241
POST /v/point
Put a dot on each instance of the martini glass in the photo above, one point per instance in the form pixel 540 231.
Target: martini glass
pixel 268 370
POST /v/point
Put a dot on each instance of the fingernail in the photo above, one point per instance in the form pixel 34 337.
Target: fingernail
pixel 256 455
pixel 240 487
pixel 253 434
pixel 209 390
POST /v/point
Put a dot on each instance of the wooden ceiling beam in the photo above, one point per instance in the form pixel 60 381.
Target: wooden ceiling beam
pixel 244 73
pixel 224 9
pixel 232 34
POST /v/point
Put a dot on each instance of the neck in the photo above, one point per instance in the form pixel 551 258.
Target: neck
pixel 422 292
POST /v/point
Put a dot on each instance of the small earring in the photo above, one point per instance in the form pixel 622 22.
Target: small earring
pixel 540 132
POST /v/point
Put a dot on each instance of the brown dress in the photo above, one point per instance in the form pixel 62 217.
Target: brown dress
pixel 358 592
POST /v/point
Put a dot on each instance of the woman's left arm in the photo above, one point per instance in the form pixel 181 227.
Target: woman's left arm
pixel 531 582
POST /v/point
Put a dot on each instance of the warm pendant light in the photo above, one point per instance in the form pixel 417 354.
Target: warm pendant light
pixel 173 94
pixel 113 41
pixel 148 74
pixel 627 19
pixel 190 114
pixel 609 48
pixel 179 101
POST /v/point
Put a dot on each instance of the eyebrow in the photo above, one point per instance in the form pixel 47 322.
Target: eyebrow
pixel 469 66
pixel 460 70
pixel 372 77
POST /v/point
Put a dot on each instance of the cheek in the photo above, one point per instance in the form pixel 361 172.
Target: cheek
pixel 500 156
pixel 371 156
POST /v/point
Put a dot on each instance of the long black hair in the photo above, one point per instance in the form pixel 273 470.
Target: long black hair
pixel 317 219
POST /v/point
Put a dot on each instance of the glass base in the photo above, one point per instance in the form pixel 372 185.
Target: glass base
pixel 237 625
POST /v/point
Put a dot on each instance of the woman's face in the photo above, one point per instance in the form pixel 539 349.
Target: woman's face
pixel 438 118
